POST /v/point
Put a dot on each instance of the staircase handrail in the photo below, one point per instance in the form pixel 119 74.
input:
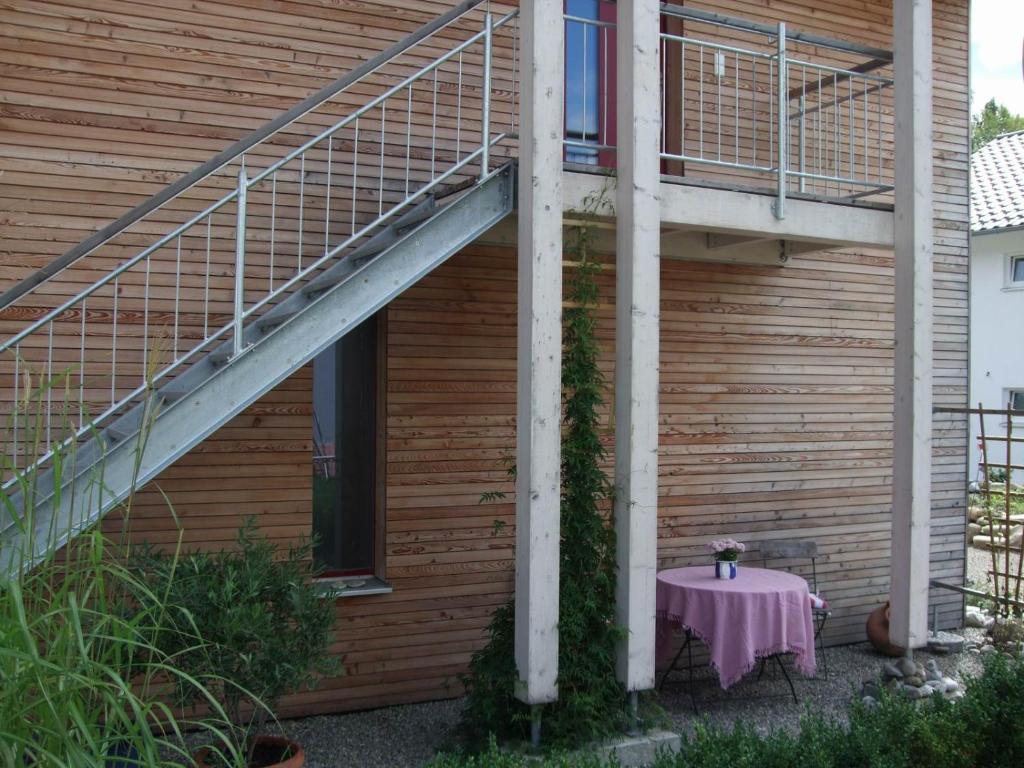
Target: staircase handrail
pixel 225 157
pixel 86 414
pixel 250 181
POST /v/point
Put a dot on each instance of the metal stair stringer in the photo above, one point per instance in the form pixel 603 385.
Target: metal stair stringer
pixel 108 475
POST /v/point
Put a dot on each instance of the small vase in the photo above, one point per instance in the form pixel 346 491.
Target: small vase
pixel 726 569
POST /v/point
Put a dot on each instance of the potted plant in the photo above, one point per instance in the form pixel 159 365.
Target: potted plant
pixel 727 554
pixel 264 632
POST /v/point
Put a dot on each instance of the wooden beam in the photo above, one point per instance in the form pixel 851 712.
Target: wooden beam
pixel 538 413
pixel 637 295
pixel 912 418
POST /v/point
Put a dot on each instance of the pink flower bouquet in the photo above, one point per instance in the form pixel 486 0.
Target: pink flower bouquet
pixel 726 549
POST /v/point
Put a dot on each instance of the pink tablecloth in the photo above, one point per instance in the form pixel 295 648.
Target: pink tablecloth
pixel 741 620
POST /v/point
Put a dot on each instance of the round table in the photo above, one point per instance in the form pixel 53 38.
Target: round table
pixel 760 613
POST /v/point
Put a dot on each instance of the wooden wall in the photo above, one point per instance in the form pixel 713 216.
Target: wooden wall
pixel 776 386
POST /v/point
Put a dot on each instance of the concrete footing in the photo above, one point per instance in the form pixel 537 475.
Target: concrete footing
pixel 632 751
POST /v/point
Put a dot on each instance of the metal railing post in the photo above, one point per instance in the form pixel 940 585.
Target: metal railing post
pixel 803 145
pixel 782 117
pixel 485 130
pixel 243 188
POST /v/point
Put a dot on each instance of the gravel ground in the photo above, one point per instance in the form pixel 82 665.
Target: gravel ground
pixel 979 563
pixel 407 736
pixel 394 737
pixel 767 704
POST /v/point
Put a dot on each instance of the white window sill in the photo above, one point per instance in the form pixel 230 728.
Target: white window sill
pixel 352 586
pixel 1013 287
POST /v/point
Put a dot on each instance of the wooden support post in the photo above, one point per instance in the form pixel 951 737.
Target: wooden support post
pixel 637 294
pixel 538 392
pixel 912 418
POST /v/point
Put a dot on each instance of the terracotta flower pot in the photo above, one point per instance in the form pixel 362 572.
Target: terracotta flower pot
pixel 267 748
pixel 878 632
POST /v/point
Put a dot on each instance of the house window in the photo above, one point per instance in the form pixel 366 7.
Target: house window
pixel 590 82
pixel 1016 399
pixel 345 443
pixel 1015 272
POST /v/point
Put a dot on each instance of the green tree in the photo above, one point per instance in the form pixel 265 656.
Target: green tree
pixel 590 701
pixel 994 120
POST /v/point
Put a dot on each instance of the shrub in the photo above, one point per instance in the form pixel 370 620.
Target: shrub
pixel 80 667
pixel 266 631
pixel 982 730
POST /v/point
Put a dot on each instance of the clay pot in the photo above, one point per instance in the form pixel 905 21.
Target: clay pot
pixel 267 747
pixel 878 632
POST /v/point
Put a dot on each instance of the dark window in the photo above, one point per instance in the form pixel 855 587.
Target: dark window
pixel 1017 400
pixel 1017 269
pixel 345 452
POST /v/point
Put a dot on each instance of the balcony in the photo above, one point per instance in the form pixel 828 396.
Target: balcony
pixel 744 106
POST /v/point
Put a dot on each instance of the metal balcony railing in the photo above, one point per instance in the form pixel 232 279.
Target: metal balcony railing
pixel 741 104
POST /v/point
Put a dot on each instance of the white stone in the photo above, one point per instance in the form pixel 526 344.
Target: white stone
pixel 975 620
pixel 907 666
pixel 891 670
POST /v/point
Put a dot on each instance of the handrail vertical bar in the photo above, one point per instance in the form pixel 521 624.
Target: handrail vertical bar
pixel 243 188
pixel 803 144
pixel 783 122
pixel 485 129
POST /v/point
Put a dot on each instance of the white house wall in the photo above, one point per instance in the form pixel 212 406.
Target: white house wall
pixel 997 351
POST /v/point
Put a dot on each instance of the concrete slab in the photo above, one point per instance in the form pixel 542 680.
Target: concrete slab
pixel 630 751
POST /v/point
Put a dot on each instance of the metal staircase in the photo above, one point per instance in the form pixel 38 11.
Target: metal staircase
pixel 163 349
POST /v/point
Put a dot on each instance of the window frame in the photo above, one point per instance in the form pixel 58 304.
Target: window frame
pixel 340 583
pixel 1012 393
pixel 1012 260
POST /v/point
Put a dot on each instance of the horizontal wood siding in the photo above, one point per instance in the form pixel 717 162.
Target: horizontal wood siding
pixel 950 441
pixel 776 388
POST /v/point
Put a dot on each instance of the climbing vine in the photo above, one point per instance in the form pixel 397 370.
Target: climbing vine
pixel 590 699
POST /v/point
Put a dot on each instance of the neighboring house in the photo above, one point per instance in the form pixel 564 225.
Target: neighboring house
pixel 343 311
pixel 997 292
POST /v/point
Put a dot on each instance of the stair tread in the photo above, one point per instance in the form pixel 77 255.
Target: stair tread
pixel 113 447
pixel 278 315
pixel 416 215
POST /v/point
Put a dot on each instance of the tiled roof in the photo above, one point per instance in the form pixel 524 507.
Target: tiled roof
pixel 997 184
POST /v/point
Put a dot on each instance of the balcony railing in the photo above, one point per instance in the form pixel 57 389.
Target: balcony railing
pixel 742 104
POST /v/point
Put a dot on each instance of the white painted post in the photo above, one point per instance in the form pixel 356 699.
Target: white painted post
pixel 538 392
pixel 912 417
pixel 637 293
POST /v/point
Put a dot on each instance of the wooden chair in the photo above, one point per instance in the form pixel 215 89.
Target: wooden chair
pixel 800 549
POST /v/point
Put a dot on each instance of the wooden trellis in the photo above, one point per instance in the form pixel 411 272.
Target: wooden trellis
pixel 1006 581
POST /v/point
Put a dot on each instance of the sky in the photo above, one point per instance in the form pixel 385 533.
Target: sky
pixel 997 29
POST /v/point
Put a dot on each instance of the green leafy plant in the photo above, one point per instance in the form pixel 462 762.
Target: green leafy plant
pixel 81 670
pixel 590 701
pixel 265 629
pixel 982 730
pixel 997 475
